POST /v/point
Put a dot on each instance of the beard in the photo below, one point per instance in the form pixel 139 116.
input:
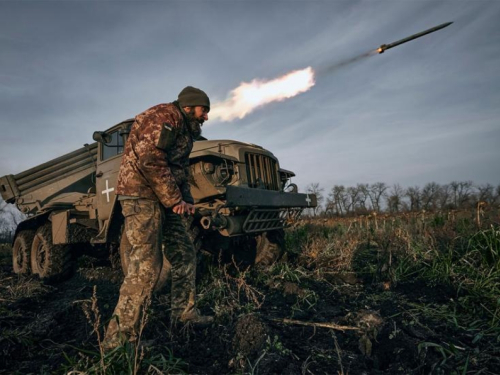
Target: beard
pixel 194 128
pixel 194 124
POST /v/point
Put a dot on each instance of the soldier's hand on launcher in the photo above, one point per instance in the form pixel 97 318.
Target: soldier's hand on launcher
pixel 183 208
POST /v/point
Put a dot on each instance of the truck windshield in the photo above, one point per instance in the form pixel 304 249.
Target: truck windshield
pixel 114 147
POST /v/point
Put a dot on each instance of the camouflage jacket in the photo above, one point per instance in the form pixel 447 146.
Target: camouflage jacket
pixel 155 163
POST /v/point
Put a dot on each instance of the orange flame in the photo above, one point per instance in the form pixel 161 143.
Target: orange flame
pixel 250 95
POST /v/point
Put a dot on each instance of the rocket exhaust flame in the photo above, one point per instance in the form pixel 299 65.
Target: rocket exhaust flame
pixel 249 96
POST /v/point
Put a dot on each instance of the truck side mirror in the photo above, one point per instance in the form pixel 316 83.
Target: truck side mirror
pixel 125 130
pixel 102 137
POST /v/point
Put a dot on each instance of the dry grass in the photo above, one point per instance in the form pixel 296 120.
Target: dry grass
pixel 228 292
pixel 24 287
pixel 439 248
pixel 334 252
pixel 129 357
pixel 5 254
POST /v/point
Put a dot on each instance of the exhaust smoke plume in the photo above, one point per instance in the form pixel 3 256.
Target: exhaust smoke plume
pixel 250 95
pixel 343 63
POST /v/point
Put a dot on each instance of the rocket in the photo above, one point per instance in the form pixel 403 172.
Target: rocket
pixel 384 47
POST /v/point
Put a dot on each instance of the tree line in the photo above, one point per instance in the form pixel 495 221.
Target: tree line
pixel 378 197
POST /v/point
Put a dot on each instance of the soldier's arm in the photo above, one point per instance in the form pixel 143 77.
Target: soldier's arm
pixel 153 161
pixel 185 189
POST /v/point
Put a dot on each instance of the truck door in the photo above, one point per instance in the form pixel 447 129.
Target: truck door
pixel 108 164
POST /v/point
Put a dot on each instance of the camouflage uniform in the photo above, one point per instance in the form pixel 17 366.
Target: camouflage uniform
pixel 154 177
pixel 182 256
pixel 155 163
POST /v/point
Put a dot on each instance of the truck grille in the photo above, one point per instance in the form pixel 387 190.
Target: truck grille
pixel 262 172
pixel 261 220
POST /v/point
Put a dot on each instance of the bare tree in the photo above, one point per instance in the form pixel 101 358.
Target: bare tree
pixel 353 197
pixel 465 190
pixel 336 199
pixel 345 200
pixel 454 193
pixel 413 194
pixel 430 196
pixel 395 198
pixel 461 193
pixel 330 206
pixel 445 196
pixel 486 193
pixel 375 193
pixel 362 197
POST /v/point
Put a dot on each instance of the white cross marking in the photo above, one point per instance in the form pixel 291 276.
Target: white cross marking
pixel 107 191
pixel 308 200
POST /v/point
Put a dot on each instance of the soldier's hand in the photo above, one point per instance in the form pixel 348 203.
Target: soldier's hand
pixel 183 208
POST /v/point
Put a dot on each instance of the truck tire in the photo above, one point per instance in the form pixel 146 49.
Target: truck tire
pixel 50 262
pixel 125 249
pixel 270 247
pixel 21 252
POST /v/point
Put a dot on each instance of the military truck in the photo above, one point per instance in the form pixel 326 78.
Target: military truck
pixel 243 200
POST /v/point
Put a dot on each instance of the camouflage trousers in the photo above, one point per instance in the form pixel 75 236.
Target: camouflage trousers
pixel 147 225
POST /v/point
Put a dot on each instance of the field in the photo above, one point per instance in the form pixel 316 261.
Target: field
pixel 409 294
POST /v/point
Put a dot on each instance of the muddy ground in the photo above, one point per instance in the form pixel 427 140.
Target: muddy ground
pixel 388 329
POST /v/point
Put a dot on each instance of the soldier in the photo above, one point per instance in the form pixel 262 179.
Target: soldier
pixel 153 190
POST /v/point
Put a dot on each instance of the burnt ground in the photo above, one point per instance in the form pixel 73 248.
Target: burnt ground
pixel 410 328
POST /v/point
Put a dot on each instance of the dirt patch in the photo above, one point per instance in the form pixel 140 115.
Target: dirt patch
pixel 396 351
pixel 249 336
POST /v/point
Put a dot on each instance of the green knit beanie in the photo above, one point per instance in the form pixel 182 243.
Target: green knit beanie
pixel 191 97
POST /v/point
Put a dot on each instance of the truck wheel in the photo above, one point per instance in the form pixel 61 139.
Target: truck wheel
pixel 50 262
pixel 270 247
pixel 126 247
pixel 21 252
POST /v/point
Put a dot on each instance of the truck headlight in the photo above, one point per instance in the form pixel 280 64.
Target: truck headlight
pixel 208 168
pixel 224 172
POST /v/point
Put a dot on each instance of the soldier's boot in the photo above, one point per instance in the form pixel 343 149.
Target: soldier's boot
pixel 194 317
pixel 112 342
pixel 191 315
pixel 117 335
pixel 185 311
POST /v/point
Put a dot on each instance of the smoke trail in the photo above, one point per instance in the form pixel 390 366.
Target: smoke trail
pixel 251 95
pixel 331 68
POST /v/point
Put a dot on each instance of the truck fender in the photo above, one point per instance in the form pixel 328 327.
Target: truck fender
pixel 111 230
pixel 116 221
pixel 32 222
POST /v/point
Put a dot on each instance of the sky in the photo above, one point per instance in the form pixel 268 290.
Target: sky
pixel 428 110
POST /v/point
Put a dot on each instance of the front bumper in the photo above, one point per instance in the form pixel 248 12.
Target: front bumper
pixel 246 197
